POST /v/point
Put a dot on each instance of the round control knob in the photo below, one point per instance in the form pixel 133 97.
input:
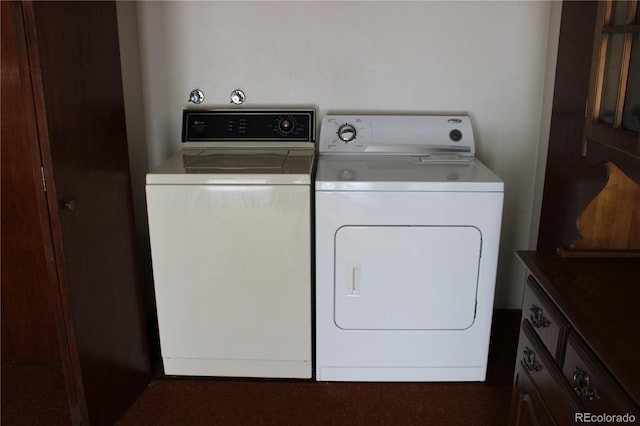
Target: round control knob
pixel 286 125
pixel 347 133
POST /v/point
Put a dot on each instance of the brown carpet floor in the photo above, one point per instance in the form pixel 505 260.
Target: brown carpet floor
pixel 35 395
pixel 174 402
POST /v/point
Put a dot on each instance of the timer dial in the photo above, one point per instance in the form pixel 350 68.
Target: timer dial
pixel 287 125
pixel 347 133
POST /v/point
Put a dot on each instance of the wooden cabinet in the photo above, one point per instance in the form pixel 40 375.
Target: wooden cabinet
pixel 572 179
pixel 579 318
pixel 578 341
pixel 71 293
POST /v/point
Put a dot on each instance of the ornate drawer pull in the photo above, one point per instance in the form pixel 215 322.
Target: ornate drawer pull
pixel 582 385
pixel 529 360
pixel 537 317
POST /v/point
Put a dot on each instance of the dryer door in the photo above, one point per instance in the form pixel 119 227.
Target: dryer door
pixel 406 277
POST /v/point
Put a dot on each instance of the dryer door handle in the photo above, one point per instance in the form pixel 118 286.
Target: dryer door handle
pixel 354 290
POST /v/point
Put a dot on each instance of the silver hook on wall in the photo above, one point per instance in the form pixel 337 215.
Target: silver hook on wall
pixel 238 97
pixel 196 96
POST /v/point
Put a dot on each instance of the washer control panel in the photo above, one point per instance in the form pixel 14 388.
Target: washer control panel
pixel 248 125
pixel 397 134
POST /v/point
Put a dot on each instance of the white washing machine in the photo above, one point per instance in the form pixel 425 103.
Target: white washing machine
pixel 407 234
pixel 230 230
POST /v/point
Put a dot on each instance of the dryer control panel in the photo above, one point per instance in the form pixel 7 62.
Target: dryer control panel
pixel 397 135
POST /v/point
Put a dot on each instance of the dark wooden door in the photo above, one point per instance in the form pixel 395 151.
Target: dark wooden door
pixel 86 161
pixel 76 140
pixel 28 292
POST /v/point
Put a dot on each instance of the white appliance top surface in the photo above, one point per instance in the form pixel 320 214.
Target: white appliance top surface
pixel 250 166
pixel 403 173
pixel 400 153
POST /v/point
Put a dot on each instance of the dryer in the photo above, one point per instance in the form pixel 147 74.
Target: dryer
pixel 407 235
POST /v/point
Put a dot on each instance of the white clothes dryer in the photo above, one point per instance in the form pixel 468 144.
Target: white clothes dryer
pixel 230 230
pixel 407 234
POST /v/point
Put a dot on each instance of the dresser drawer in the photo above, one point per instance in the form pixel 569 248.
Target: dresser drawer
pixel 527 406
pixel 548 322
pixel 546 376
pixel 596 389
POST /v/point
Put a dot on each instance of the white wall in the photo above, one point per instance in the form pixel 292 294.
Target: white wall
pixel 134 108
pixel 545 125
pixel 486 59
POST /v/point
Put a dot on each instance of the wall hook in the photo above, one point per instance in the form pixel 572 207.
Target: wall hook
pixel 238 97
pixel 196 96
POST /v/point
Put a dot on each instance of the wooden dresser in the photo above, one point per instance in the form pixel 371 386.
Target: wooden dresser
pixel 578 355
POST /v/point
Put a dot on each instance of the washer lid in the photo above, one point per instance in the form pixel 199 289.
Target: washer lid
pixel 404 173
pixel 235 166
pixel 215 161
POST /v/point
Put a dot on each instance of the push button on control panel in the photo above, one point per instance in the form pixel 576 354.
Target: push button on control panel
pixel 455 135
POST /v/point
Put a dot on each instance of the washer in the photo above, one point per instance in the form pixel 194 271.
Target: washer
pixel 230 230
pixel 407 235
